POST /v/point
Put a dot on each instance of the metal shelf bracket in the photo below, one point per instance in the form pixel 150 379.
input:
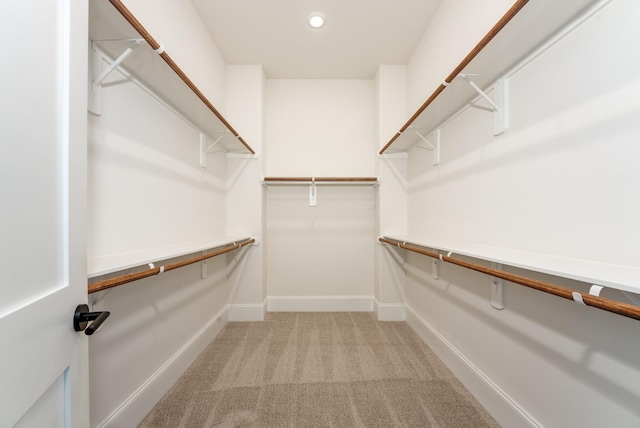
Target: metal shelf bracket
pixel 435 148
pixel 204 150
pixel 95 91
pixel 313 193
pixel 497 288
pixel 498 103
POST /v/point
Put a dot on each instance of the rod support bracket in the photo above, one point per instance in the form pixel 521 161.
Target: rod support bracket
pixel 435 147
pixel 206 150
pixel 98 75
pixel 497 288
pixel 313 193
pixel 499 102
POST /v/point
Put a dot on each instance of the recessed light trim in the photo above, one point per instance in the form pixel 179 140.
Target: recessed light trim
pixel 316 20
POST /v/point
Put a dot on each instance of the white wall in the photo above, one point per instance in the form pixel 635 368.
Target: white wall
pixel 560 181
pixel 551 180
pixel 391 114
pixel 320 128
pixel 146 187
pixel 157 327
pixel 245 206
pixel 148 191
pixel 325 250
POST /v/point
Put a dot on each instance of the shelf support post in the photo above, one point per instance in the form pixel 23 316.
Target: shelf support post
pixel 435 271
pixel 313 193
pixel 498 103
pixel 497 287
pixel 431 147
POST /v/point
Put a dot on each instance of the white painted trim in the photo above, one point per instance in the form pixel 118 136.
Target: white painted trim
pixel 390 311
pixel 247 312
pixel 504 409
pixel 320 303
pixel 132 410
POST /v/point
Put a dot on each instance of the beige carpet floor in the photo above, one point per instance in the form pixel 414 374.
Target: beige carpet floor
pixel 318 370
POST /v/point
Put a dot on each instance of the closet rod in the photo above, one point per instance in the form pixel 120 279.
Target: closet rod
pixel 318 179
pixel 133 21
pixel 124 279
pixel 614 306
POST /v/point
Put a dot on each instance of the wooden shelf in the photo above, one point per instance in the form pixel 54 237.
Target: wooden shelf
pixel 614 276
pixel 112 25
pixel 523 29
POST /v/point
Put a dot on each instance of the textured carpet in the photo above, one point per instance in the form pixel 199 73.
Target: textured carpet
pixel 318 370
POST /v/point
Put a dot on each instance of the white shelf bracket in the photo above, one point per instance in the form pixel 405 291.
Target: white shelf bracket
pixel 313 193
pixel 95 91
pixel 435 271
pixel 497 288
pixel 204 150
pixel 203 267
pixel 435 148
pixel 498 103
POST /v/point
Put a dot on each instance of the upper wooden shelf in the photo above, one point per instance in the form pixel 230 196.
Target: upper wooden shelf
pixel 112 26
pixel 524 28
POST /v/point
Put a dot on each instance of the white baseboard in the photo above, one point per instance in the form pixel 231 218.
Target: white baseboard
pixel 247 312
pixel 390 311
pixel 131 412
pixel 320 303
pixel 505 410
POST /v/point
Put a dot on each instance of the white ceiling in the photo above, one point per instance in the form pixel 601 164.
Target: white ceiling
pixel 358 36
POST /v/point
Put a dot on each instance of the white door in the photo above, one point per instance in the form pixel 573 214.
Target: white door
pixel 43 361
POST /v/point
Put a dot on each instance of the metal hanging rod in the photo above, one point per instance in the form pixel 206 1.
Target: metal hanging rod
pixel 587 299
pixel 124 279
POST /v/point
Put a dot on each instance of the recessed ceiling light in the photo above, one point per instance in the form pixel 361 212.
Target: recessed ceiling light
pixel 316 20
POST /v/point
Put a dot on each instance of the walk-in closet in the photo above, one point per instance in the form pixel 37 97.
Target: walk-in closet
pixel 421 213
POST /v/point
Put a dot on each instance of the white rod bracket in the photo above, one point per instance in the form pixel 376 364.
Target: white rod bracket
pixel 97 57
pixel 203 267
pixel 498 103
pixel 116 63
pixel 497 288
pixel 435 272
pixel 313 193
pixel 204 150
pixel 435 148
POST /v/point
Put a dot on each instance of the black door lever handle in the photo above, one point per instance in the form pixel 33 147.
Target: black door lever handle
pixel 82 316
